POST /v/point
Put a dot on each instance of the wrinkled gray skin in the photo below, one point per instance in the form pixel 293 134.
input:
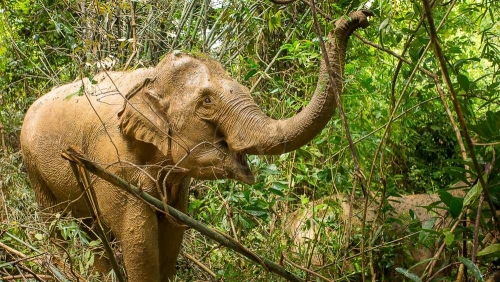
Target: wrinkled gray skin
pixel 186 112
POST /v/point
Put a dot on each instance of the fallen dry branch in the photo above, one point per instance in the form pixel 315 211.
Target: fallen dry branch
pixel 17 277
pixel 82 177
pixel 39 259
pixel 74 155
pixel 2 136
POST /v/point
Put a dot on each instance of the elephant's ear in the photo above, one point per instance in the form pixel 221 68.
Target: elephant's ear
pixel 143 116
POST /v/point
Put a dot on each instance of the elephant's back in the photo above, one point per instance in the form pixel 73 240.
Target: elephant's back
pixel 64 117
pixel 61 115
pixel 80 104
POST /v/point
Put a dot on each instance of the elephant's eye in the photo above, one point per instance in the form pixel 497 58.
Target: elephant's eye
pixel 207 100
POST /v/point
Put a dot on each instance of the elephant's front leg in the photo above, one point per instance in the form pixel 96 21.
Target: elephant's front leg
pixel 135 225
pixel 170 240
pixel 170 233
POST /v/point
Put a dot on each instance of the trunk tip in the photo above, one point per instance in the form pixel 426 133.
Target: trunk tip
pixel 356 19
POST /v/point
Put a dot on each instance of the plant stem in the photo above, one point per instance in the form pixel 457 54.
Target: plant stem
pixel 440 58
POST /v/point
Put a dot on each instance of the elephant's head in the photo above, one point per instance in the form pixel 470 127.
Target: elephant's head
pixel 206 122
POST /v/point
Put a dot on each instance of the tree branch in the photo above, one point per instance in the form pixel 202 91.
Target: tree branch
pixel 74 155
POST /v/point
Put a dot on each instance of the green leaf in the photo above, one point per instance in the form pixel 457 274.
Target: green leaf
pixel 427 225
pixel 256 211
pixel 455 49
pixel 463 81
pixel 472 267
pixel 412 214
pixel 278 188
pixel 488 127
pixel 251 73
pixel 493 249
pixel 304 199
pixel 445 197
pixel 408 274
pixel 435 127
pixel 383 24
pixel 473 194
pixel 449 237
pixel 77 93
pixel 94 243
pixel 281 185
pixel 455 207
pixel 39 236
pixel 245 222
pixel 460 62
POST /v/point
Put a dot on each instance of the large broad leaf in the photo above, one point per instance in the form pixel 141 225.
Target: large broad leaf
pixel 493 249
pixel 472 267
pixel 445 197
pixel 473 194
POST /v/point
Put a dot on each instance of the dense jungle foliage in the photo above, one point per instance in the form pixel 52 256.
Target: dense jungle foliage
pixel 415 127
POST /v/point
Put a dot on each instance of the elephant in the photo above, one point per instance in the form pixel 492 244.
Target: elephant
pixel 303 230
pixel 158 128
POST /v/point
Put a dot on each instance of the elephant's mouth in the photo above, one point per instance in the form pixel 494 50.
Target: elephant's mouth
pixel 237 165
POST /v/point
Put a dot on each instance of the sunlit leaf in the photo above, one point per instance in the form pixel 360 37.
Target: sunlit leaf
pixel 449 238
pixel 473 194
pixel 490 250
pixel 383 24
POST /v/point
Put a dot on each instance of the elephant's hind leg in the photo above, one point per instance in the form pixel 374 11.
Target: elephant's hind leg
pixel 46 200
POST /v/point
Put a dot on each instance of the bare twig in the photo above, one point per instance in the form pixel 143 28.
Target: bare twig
pixel 282 2
pixel 26 276
pixel 358 173
pixel 463 151
pixel 381 127
pixel 4 147
pixel 134 34
pixel 475 242
pixel 60 276
pixel 278 53
pixel 390 52
pixel 12 250
pixel 436 256
pixel 476 227
pixel 199 264
pixel 285 258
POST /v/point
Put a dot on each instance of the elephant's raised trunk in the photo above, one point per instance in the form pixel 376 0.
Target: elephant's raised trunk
pixel 266 136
